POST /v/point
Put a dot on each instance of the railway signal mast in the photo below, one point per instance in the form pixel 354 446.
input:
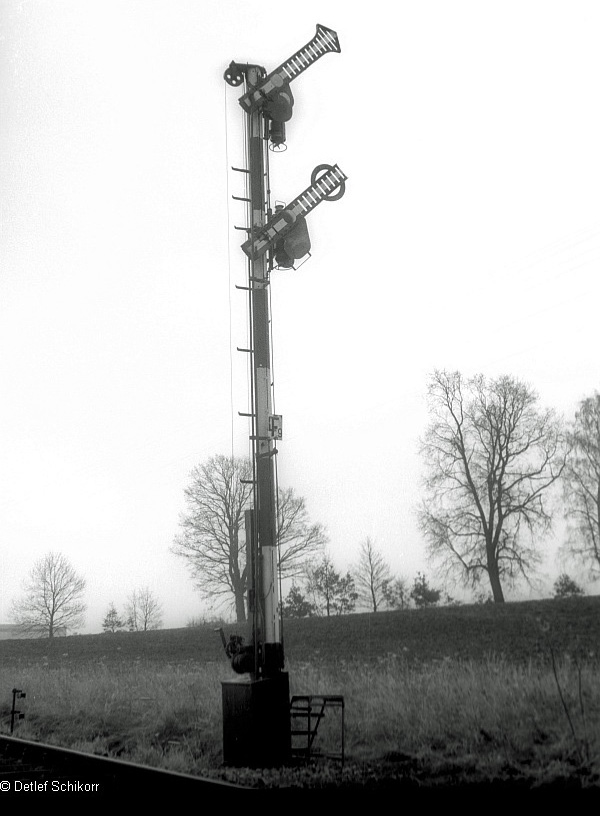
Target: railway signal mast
pixel 256 716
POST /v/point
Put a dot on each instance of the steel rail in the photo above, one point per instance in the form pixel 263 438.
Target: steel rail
pixel 28 768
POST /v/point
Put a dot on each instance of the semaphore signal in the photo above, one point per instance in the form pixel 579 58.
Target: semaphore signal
pixel 257 710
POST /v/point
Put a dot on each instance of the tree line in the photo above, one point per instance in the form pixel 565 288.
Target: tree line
pixel 493 459
pixel 52 603
pixel 369 585
pixel 494 464
pixel 143 613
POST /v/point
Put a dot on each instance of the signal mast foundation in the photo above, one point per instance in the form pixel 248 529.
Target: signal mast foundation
pixel 256 722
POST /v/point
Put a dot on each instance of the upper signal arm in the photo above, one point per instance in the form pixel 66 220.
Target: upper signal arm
pixel 324 41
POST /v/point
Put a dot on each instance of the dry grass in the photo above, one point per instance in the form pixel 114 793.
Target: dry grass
pixel 491 718
pixel 452 694
pixel 463 719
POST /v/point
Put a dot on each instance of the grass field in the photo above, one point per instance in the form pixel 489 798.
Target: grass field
pixel 453 695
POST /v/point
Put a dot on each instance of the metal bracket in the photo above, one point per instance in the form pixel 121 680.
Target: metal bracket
pixel 269 454
pixel 235 73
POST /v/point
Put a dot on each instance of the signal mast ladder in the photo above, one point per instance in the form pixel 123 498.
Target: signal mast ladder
pixel 309 709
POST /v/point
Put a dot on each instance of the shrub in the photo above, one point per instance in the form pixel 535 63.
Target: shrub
pixel 422 594
pixel 566 587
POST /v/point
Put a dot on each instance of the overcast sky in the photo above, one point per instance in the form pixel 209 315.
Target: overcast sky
pixel 468 239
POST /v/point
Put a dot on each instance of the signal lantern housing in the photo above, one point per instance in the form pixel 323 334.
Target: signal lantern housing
pixel 294 245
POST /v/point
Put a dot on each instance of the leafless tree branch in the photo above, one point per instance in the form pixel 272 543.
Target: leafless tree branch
pixel 491 456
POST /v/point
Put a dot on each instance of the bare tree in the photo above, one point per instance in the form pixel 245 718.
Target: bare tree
pixel 143 611
pixel 52 602
pixel 213 540
pixel 581 486
pixel 372 576
pixel 490 456
pixel 297 538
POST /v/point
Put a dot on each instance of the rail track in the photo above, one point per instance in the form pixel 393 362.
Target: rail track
pixel 30 769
